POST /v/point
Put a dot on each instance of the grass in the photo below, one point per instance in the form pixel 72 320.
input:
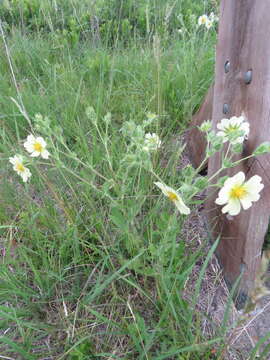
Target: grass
pixel 95 262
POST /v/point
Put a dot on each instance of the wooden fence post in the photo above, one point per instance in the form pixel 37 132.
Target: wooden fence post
pixel 196 140
pixel 242 83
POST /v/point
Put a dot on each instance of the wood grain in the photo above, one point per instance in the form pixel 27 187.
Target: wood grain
pixel 196 143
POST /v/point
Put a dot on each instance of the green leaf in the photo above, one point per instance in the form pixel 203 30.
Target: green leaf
pixel 201 182
pixel 237 148
pixel 188 171
pixel 227 163
pixel 119 219
pixel 222 180
pixel 264 148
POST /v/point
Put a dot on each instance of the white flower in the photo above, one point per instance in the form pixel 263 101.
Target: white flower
pixel 236 193
pixel 213 17
pixel 230 126
pixel 204 20
pixel 209 24
pixel 36 146
pixel 18 166
pixel 151 142
pixel 174 197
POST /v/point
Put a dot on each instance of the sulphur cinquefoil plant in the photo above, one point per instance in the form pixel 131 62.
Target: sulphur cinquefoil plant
pixel 236 193
pixel 101 255
pixel 46 154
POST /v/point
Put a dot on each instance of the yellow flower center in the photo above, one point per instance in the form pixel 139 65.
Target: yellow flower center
pixel 238 192
pixel 38 147
pixel 20 167
pixel 172 196
pixel 231 128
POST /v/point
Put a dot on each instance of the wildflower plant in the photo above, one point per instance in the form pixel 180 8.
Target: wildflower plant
pixel 99 221
pixel 236 193
pixel 129 204
pixel 140 145
pixel 34 147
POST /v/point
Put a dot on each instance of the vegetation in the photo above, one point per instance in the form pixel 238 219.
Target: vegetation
pixel 113 20
pixel 94 262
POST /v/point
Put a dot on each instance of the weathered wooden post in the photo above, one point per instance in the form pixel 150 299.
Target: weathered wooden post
pixel 242 83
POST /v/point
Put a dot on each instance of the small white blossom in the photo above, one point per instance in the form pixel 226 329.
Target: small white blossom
pixel 234 124
pixel 151 142
pixel 36 146
pixel 209 24
pixel 237 193
pixel 204 20
pixel 18 166
pixel 174 197
pixel 213 17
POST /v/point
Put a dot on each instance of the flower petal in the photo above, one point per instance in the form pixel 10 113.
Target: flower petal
pixel 30 139
pixel 15 159
pixel 252 197
pixel 35 154
pixel 233 207
pixel 223 195
pixel 246 203
pixel 221 134
pixel 45 154
pixel 253 187
pixel 254 183
pixel 41 141
pixel 162 187
pixel 238 178
pixel 25 175
pixel 29 147
pixel 236 121
pixel 239 140
pixel 223 124
pixel 183 209
pixel 245 127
